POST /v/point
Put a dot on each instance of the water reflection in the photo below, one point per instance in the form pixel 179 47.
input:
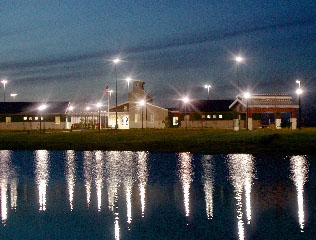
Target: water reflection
pixel 14 190
pixel 208 183
pixel 99 176
pixel 241 171
pixel 128 169
pixel 185 174
pixel 42 176
pixel 5 157
pixel 113 169
pixel 299 170
pixel 142 175
pixel 88 174
pixel 70 175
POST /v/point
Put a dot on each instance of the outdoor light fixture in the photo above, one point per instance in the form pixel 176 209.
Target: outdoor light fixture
pixel 299 91
pixel 13 95
pixel 42 107
pixel 239 59
pixel 87 108
pixel 4 82
pixel 247 95
pixel 116 60
pixel 98 105
pixel 128 80
pixel 185 99
pixel 142 103
pixel 71 108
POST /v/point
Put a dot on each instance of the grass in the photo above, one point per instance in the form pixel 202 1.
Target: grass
pixel 167 140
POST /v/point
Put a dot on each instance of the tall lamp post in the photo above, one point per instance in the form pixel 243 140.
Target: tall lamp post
pixel 299 92
pixel 14 95
pixel 99 110
pixel 41 109
pixel 247 96
pixel 116 61
pixel 208 90
pixel 238 60
pixel 109 98
pixel 185 101
pixel 4 82
pixel 142 104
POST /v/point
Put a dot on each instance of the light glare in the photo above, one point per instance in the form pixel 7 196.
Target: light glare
pixel 42 107
pixel 299 91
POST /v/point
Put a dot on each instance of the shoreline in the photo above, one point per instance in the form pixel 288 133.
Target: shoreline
pixel 167 140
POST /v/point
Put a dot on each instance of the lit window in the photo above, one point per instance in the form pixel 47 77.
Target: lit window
pixel 203 116
pixel 24 118
pixel 137 117
pixel 8 119
pixel 36 118
pixel 214 116
pixel 151 118
pixel 42 118
pixel 220 116
pixel 208 116
pixel 175 121
pixel 30 118
pixel 57 120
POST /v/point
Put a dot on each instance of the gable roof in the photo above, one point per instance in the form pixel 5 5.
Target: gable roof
pixel 266 101
pixel 205 106
pixel 32 107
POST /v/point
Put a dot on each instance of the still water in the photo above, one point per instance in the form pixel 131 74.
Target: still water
pixel 143 195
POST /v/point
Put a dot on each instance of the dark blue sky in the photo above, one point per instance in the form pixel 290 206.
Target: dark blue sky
pixel 60 50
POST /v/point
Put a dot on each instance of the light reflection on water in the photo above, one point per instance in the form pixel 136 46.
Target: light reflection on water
pixel 42 176
pixel 185 174
pixel 299 170
pixel 117 183
pixel 208 183
pixel 241 171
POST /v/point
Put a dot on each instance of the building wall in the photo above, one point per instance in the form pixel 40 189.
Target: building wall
pixel 121 120
pixel 217 124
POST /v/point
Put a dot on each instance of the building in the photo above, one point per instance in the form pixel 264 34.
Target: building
pixel 203 114
pixel 258 104
pixel 27 116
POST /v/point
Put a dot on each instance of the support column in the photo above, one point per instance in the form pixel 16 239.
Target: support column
pixel 293 120
pixel 249 115
pixel 278 120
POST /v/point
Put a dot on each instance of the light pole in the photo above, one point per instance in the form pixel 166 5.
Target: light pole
pixel 238 60
pixel 41 109
pixel 99 106
pixel 109 97
pixel 142 104
pixel 247 96
pixel 116 61
pixel 4 82
pixel 185 101
pixel 14 95
pixel 70 109
pixel 299 92
pixel 208 90
pixel 128 80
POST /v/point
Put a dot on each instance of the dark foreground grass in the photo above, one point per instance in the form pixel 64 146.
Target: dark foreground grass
pixel 167 140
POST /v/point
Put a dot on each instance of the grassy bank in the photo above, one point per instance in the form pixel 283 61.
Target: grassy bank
pixel 168 140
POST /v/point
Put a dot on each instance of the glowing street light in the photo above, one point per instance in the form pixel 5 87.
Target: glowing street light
pixel 247 95
pixel 88 108
pixel 42 108
pixel 116 61
pixel 13 95
pixel 142 103
pixel 4 82
pixel 185 100
pixel 71 108
pixel 239 59
pixel 208 90
pixel 299 92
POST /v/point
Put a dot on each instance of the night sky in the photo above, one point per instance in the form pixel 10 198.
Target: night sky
pixel 61 50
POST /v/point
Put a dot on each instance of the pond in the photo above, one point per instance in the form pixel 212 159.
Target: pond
pixel 143 195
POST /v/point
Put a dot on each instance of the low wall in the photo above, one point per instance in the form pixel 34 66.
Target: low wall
pixel 31 125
